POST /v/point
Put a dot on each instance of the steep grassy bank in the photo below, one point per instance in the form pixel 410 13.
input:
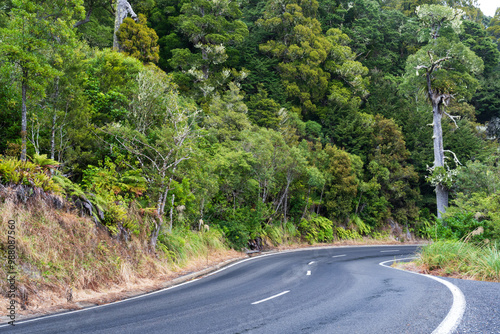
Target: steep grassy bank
pixel 63 257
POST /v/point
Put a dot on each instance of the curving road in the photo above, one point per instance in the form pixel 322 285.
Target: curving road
pixel 327 290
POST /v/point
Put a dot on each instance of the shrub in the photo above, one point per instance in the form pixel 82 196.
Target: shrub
pixel 459 226
pixel 344 234
pixel 317 229
pixel 35 174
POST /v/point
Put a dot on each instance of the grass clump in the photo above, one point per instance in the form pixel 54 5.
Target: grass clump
pixel 183 244
pixel 462 259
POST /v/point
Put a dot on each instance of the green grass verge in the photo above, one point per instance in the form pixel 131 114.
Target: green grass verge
pixel 462 259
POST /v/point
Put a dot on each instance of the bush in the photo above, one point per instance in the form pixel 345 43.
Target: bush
pixel 460 226
pixel 318 229
pixel 344 234
pixel 35 174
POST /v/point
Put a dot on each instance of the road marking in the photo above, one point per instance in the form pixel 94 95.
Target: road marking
pixel 308 273
pixel 269 298
pixel 196 279
pixel 392 250
pixel 98 306
pixel 310 262
pixel 338 255
pixel 457 310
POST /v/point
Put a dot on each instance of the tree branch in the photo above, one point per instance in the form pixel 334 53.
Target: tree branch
pixel 454 157
pixel 453 118
pixel 86 20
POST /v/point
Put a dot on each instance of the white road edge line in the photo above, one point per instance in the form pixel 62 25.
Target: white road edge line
pixel 308 273
pixel 454 316
pixel 18 322
pixel 269 298
pixel 338 255
pixel 392 250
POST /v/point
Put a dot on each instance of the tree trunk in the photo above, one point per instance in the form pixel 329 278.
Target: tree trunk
pixel 53 137
pixel 171 214
pixel 123 8
pixel 441 191
pixel 24 88
pixel 307 202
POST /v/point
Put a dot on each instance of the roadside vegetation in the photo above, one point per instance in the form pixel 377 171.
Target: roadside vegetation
pixel 462 260
pixel 198 128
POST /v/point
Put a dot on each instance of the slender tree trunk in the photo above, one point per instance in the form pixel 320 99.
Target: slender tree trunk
pixel 54 121
pixel 441 191
pixel 171 214
pixel 307 202
pixel 24 113
pixel 53 136
pixel 320 199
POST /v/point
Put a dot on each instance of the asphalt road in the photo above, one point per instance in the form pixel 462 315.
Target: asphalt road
pixel 334 290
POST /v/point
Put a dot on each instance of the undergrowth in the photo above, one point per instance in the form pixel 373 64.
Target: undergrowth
pixel 58 250
pixel 463 259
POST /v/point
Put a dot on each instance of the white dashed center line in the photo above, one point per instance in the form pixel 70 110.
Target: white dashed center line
pixel 269 298
pixel 338 255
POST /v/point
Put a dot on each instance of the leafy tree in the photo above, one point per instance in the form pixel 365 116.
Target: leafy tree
pixel 494 27
pixel 445 69
pixel 36 32
pixel 341 183
pixel 381 39
pixel 227 116
pixel 211 28
pixel 309 58
pixel 97 27
pixel 476 38
pixel 139 41
pixel 263 110
pixel 160 147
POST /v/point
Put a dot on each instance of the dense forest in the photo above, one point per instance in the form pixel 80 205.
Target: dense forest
pixel 261 119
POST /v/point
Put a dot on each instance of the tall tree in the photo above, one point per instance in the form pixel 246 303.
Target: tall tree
pixel 211 27
pixel 36 32
pixel 494 27
pixel 310 59
pixel 445 68
pixel 160 135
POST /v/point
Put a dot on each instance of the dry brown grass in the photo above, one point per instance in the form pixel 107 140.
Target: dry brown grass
pixel 61 253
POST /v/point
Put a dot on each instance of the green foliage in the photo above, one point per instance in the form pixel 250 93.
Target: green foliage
pixel 464 259
pixel 138 41
pixel 310 59
pixel 317 229
pixel 182 244
pixel 458 226
pixel 112 190
pixel 343 234
pixel 361 227
pixel 210 28
pixel 494 27
pixel 268 131
pixel 341 186
pixel 35 174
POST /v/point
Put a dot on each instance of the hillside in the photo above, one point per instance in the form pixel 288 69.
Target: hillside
pixel 140 136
